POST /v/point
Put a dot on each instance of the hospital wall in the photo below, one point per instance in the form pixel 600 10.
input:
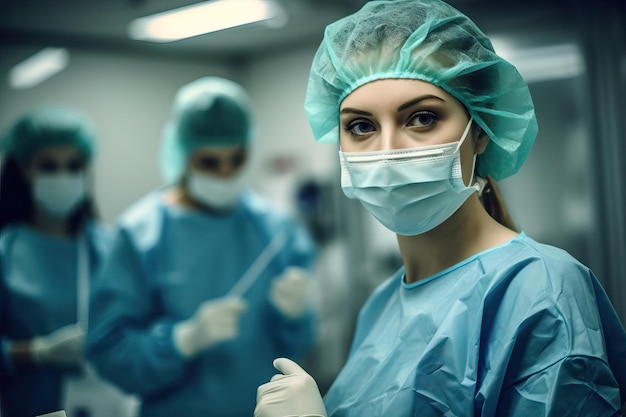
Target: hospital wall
pixel 127 96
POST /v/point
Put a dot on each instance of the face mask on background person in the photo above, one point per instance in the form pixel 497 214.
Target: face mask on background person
pixel 410 191
pixel 59 194
pixel 215 191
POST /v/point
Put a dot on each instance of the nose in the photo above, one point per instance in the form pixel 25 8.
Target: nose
pixel 392 138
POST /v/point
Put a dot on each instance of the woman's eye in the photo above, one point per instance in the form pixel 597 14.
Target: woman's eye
pixel 423 119
pixel 47 166
pixel 75 165
pixel 207 163
pixel 359 128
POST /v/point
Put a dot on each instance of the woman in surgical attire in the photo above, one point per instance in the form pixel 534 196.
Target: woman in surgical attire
pixel 206 282
pixel 50 249
pixel 481 320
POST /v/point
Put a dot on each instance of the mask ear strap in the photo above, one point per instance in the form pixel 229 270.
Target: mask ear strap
pixel 465 132
pixel 472 181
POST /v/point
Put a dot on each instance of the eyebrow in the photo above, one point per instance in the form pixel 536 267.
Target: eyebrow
pixel 417 100
pixel 402 107
pixel 355 111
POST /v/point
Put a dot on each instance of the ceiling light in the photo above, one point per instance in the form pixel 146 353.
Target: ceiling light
pixel 37 68
pixel 201 18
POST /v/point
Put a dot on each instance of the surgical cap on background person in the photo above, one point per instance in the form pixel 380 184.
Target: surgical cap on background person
pixel 49 126
pixel 210 111
pixel 431 41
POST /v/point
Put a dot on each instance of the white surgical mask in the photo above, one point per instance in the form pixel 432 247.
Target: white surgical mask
pixel 213 191
pixel 410 191
pixel 59 194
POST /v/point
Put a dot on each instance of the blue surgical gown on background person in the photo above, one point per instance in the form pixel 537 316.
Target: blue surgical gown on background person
pixel 38 295
pixel 519 330
pixel 165 262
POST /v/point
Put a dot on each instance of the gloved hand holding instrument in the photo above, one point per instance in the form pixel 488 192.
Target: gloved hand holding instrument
pixel 217 320
pixel 214 321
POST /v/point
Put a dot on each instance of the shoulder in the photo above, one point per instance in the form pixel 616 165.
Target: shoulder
pixel 259 205
pixel 540 289
pixel 143 215
pixel 141 223
pixel 99 235
pixel 539 268
pixel 142 210
pixel 263 211
pixel 9 234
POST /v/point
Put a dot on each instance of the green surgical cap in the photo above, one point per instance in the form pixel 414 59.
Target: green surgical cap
pixel 430 41
pixel 49 126
pixel 208 112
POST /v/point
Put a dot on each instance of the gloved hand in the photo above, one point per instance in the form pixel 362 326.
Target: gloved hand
pixel 290 292
pixel 292 393
pixel 62 347
pixel 213 322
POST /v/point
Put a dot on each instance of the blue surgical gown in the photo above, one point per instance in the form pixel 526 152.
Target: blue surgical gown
pixel 165 262
pixel 38 288
pixel 519 330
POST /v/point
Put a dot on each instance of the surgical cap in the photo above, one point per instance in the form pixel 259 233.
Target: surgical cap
pixel 208 112
pixel 49 126
pixel 431 41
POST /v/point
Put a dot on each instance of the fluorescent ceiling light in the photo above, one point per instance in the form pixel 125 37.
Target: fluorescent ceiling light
pixel 38 67
pixel 543 63
pixel 201 18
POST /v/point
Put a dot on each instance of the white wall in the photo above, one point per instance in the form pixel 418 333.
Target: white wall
pixel 286 151
pixel 128 98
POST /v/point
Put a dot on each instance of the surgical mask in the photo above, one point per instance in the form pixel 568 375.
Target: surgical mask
pixel 214 191
pixel 410 191
pixel 59 194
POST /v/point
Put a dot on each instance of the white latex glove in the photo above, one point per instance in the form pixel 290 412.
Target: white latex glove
pixel 292 393
pixel 213 322
pixel 62 347
pixel 290 292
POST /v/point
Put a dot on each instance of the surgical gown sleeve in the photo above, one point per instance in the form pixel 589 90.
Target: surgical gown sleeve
pixel 549 352
pixel 124 342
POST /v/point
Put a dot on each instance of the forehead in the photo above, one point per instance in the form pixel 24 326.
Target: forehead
pixel 217 152
pixel 394 92
pixel 58 152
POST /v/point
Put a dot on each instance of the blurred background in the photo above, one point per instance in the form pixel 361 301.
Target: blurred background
pixel 570 193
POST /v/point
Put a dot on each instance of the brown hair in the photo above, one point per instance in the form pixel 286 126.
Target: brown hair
pixel 494 204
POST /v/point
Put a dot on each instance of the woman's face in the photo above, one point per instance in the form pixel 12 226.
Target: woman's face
pixel 53 160
pixel 401 114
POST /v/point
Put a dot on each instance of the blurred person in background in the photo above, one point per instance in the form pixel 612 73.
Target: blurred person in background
pixel 481 319
pixel 207 281
pixel 51 246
